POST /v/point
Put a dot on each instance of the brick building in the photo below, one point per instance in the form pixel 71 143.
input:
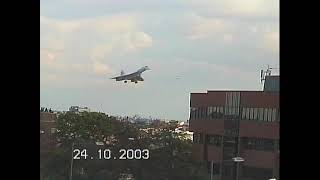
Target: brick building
pixel 229 124
pixel 47 132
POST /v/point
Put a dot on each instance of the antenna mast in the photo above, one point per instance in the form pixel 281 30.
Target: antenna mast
pixel 263 73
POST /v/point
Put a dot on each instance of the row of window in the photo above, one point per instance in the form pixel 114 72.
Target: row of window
pixel 198 138
pixel 218 112
pixel 259 144
pixel 215 140
pixel 260 114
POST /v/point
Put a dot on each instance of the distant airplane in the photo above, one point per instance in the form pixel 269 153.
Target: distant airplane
pixel 133 77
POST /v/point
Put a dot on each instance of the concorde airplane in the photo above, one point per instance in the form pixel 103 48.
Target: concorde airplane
pixel 133 77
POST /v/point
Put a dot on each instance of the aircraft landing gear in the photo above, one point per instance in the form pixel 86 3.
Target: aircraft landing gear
pixel 125 81
pixel 136 82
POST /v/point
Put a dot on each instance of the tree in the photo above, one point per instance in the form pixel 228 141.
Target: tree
pixel 170 155
pixel 78 129
pixel 87 126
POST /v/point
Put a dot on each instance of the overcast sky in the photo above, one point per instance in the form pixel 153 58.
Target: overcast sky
pixel 190 45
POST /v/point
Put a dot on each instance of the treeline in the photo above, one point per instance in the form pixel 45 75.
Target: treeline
pixel 170 156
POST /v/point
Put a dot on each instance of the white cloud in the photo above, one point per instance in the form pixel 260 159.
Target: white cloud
pixel 101 51
pixel 101 69
pixel 271 41
pixel 87 46
pixel 51 56
pixel 202 27
pixel 228 38
pixel 236 8
pixel 138 40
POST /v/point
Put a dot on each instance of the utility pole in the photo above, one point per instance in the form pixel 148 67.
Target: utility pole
pixel 71 165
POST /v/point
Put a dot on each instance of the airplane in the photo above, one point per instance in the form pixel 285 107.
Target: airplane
pixel 133 77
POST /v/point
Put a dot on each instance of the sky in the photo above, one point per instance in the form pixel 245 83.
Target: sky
pixel 190 45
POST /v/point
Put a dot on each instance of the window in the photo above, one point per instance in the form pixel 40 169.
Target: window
pixel 218 140
pixel 251 143
pixel 251 113
pixel 204 112
pixel 200 112
pixel 210 139
pixel 209 112
pixel 243 116
pixel 214 140
pixel 221 111
pixel 269 145
pixel 214 112
pixel 226 110
pixel 260 114
pixel 255 113
pixel 259 144
pixel 247 113
pixel 270 115
pixel 198 138
pixel 233 110
pixel 265 117
pixel 274 114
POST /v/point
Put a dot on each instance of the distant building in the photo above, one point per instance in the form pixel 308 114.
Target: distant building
pixel 229 124
pixel 48 130
pixel 78 109
pixel 158 123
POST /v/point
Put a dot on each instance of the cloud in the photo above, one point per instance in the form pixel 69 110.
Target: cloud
pixel 101 69
pixel 236 8
pixel 228 38
pixel 202 27
pixel 101 51
pixel 271 41
pixel 137 40
pixel 87 46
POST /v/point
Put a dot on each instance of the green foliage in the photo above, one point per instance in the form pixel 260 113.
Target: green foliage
pixel 170 154
pixel 93 125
